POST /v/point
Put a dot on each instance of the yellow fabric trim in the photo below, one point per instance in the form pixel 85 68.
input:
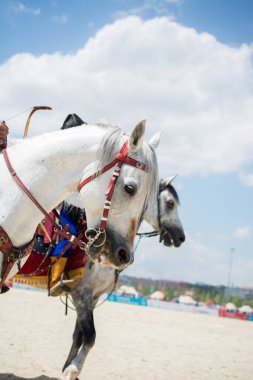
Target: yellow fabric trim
pixel 57 269
pixel 76 273
pixel 41 281
pixel 35 281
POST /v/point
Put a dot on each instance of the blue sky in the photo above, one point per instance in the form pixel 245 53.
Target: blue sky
pixel 199 54
pixel 50 25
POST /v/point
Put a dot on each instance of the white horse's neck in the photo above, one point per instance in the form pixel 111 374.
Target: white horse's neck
pixel 50 166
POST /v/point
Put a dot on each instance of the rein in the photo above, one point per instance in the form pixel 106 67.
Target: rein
pixel 91 234
pixel 151 233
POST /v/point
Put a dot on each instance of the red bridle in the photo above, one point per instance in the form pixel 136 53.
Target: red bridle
pixel 121 158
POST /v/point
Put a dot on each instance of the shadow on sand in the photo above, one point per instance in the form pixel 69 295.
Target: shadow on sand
pixel 11 376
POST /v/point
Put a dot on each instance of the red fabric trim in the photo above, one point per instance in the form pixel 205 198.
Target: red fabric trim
pixel 33 262
pixel 77 259
pixel 5 247
pixel 49 228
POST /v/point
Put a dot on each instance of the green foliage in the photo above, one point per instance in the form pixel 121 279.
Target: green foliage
pixel 218 299
pixel 146 290
pixel 169 294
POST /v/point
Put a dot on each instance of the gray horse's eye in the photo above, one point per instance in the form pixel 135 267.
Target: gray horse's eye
pixel 131 190
pixel 170 203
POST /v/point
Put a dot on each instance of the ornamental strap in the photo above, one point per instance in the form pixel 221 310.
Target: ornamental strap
pixel 11 254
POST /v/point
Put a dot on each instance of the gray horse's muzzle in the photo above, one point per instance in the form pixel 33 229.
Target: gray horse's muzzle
pixel 172 236
pixel 114 250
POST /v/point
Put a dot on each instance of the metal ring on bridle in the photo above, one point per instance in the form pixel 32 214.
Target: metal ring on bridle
pixel 96 237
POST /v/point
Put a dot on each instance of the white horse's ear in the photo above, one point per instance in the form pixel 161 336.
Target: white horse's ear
pixel 155 140
pixel 136 138
pixel 167 181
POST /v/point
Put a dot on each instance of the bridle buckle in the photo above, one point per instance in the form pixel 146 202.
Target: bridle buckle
pixel 96 237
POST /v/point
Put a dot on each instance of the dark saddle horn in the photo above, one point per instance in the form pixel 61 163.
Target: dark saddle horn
pixel 72 120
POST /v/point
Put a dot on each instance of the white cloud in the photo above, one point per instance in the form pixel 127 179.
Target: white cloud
pixel 60 19
pixel 197 90
pixel 247 179
pixel 242 232
pixel 193 262
pixel 18 7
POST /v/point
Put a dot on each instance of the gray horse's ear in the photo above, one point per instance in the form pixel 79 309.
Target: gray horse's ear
pixel 136 138
pixel 167 181
pixel 155 140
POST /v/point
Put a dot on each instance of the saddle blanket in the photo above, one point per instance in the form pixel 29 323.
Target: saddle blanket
pixel 73 266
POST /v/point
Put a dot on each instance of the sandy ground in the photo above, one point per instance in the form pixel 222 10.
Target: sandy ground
pixel 132 342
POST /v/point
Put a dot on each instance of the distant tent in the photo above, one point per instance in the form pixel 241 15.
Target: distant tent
pixel 157 296
pixel 187 300
pixel 210 303
pixel 245 309
pixel 128 291
pixel 230 307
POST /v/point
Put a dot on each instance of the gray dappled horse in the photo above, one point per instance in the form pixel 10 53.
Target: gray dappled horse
pixel 99 280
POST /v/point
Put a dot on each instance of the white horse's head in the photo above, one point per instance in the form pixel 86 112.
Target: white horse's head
pixel 135 192
pixel 170 227
pixel 164 217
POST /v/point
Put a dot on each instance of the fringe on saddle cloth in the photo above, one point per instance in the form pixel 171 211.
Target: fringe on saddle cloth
pixel 73 266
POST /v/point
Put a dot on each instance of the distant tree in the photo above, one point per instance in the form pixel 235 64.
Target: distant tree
pixel 237 300
pixel 169 293
pixel 179 292
pixel 218 298
pixel 140 287
pixel 146 290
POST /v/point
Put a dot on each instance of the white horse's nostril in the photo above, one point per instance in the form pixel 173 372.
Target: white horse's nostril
pixel 123 255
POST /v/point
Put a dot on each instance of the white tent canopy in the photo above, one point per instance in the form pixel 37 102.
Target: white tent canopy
pixel 245 309
pixel 128 290
pixel 157 295
pixel 230 306
pixel 187 300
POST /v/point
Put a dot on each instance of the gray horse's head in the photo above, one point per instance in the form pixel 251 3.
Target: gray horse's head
pixel 171 230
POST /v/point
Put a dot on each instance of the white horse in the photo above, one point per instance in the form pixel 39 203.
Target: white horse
pixel 53 165
pixel 99 279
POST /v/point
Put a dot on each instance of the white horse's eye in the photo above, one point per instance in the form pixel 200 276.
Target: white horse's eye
pixel 170 203
pixel 131 190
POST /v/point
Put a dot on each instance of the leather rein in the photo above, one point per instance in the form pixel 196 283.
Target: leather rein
pixel 95 237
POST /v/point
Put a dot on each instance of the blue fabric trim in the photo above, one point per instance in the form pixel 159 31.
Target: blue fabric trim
pixel 64 219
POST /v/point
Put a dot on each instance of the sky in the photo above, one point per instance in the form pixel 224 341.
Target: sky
pixel 186 67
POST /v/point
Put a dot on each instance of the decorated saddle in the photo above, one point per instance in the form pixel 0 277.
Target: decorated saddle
pixel 35 272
